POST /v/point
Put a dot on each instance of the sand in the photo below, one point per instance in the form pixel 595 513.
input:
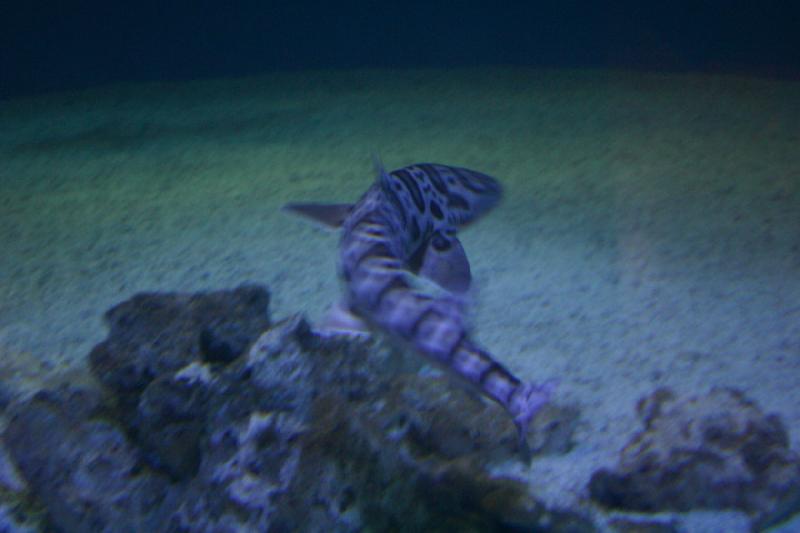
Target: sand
pixel 649 236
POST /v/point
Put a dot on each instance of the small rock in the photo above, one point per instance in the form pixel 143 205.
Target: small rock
pixel 156 333
pixel 717 451
pixel 169 424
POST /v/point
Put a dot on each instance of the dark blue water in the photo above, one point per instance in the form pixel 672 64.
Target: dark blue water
pixel 48 46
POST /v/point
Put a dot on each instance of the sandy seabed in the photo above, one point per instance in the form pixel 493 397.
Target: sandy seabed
pixel 649 236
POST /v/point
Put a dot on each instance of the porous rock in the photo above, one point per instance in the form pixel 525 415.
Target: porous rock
pixel 154 333
pixel 81 471
pixel 299 432
pixel 716 451
pixel 169 424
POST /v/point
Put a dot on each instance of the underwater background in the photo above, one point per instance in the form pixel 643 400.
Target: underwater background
pixel 646 256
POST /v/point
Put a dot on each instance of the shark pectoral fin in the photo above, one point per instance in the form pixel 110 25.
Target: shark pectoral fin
pixel 331 215
pixel 444 262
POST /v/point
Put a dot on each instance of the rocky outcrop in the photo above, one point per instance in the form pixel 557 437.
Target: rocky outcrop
pixel 82 470
pixel 717 451
pixel 155 333
pixel 206 416
pixel 210 418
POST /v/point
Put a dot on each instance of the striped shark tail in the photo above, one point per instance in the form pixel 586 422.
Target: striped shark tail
pixel 523 406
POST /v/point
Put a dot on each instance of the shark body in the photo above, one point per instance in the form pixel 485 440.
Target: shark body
pixel 405 224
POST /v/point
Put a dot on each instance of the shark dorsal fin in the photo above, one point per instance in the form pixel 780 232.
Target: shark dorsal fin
pixel 383 178
pixel 331 215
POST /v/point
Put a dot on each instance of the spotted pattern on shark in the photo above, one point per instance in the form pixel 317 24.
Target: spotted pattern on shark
pixel 405 224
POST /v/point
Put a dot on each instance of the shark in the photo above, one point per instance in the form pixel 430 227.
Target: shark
pixel 404 227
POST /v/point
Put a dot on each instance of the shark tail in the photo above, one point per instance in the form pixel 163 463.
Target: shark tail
pixel 526 404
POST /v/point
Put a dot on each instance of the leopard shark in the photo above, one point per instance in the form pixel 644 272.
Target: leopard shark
pixel 405 226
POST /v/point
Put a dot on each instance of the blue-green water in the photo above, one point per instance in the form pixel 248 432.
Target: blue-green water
pixel 647 239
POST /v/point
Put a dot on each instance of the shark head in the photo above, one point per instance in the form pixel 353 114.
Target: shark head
pixel 470 194
pixel 441 197
pixel 429 203
pixel 422 206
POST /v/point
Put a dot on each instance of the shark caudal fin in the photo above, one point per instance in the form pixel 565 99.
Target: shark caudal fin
pixel 524 407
